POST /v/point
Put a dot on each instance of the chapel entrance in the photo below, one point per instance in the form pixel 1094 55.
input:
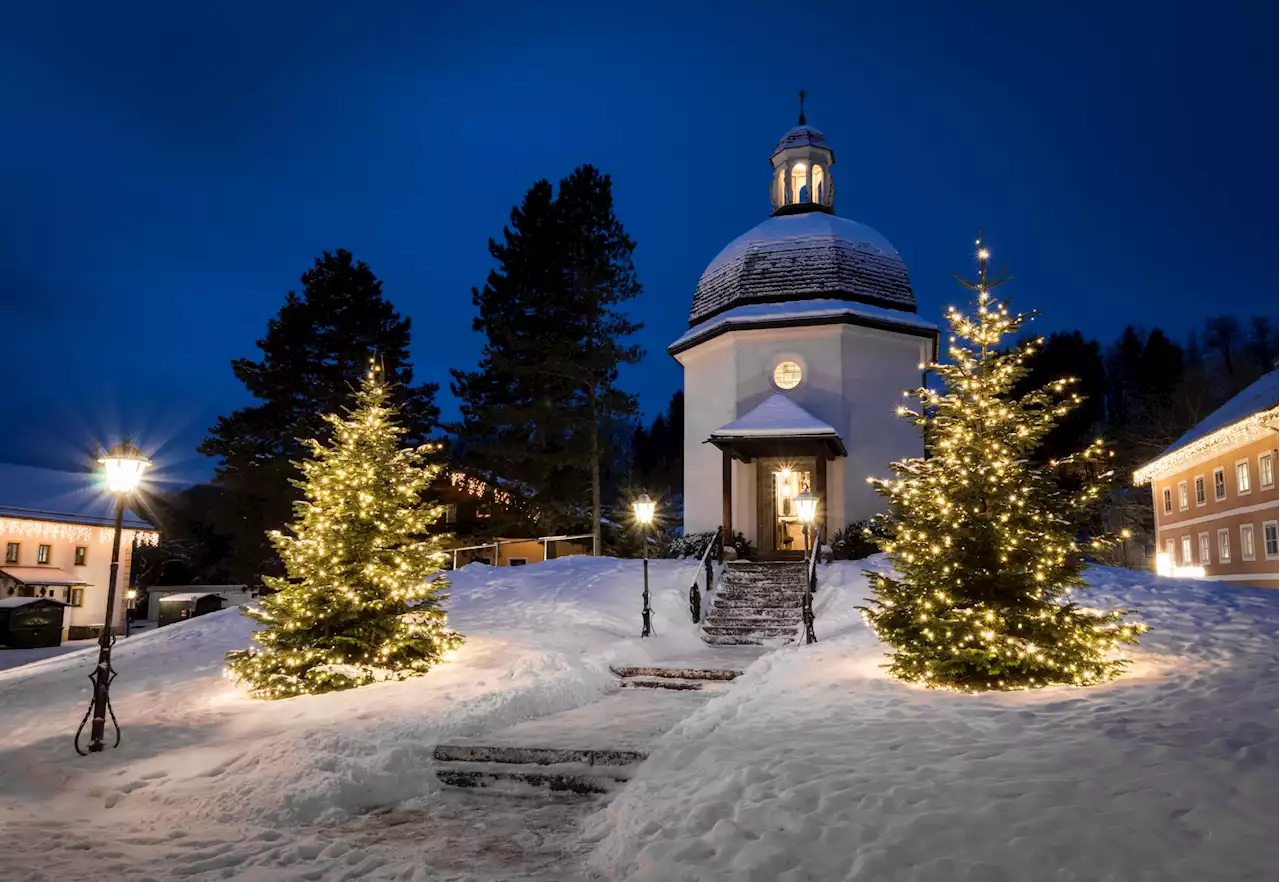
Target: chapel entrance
pixel 781 479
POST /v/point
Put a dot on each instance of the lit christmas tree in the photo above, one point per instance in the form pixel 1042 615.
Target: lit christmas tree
pixel 360 603
pixel 984 541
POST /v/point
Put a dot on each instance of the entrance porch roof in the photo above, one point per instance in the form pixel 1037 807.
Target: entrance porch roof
pixel 42 576
pixel 775 420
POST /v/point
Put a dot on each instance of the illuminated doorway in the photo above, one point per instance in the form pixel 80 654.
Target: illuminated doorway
pixel 780 531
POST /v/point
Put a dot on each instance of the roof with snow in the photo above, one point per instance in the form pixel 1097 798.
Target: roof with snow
pixel 1257 399
pixel 65 497
pixel 189 596
pixel 14 602
pixel 806 256
pixel 804 312
pixel 42 575
pixel 802 136
pixel 776 416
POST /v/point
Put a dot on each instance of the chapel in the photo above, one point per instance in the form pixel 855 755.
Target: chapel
pixel 802 337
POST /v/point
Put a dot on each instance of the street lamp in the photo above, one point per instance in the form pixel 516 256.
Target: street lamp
pixel 806 511
pixel 644 508
pixel 123 466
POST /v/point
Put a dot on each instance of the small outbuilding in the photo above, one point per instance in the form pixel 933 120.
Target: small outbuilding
pixel 180 607
pixel 30 622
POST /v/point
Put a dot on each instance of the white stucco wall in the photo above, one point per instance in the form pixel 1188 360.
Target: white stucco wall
pixel 63 539
pixel 853 379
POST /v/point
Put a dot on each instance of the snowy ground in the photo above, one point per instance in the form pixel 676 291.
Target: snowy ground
pixel 208 784
pixel 817 767
pixel 813 766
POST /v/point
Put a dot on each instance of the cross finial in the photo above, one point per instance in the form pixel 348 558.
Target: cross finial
pixel 802 120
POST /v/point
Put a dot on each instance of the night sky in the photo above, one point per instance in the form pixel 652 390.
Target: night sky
pixel 168 170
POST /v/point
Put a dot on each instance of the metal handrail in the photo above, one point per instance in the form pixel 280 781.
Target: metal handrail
pixel 545 540
pixel 811 577
pixel 704 564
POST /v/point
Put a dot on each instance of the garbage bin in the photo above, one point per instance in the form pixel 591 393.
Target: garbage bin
pixel 180 607
pixel 29 622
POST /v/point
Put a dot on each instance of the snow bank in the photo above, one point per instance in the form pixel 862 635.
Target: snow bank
pixel 197 752
pixel 818 767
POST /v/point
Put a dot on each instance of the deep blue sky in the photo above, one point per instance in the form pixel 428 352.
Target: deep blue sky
pixel 168 170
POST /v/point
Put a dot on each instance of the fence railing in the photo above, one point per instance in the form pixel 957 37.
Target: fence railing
pixel 545 540
pixel 714 550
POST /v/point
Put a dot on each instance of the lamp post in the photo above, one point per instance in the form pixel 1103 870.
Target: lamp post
pixel 644 508
pixel 806 511
pixel 123 465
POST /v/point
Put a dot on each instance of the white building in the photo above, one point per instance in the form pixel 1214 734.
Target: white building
pixel 56 530
pixel 802 337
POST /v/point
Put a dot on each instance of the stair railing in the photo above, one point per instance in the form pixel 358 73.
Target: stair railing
pixel 715 548
pixel 811 587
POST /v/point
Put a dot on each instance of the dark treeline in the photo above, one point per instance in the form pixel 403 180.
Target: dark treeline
pixel 1142 393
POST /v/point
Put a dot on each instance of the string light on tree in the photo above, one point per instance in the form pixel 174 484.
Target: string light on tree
pixel 984 541
pixel 362 599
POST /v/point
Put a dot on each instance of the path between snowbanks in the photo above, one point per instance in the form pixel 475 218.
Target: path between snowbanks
pixel 210 781
pixel 817 767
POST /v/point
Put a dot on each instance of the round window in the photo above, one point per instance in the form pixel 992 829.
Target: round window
pixel 787 375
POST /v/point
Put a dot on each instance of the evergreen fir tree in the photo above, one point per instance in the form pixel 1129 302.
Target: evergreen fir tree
pixel 983 539
pixel 544 404
pixel 314 352
pixel 360 603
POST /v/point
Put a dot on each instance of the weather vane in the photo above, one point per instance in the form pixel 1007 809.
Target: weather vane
pixel 802 120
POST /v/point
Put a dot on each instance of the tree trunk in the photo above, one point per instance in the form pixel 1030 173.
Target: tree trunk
pixel 595 470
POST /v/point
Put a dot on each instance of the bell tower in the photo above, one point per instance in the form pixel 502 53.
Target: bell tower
pixel 801 179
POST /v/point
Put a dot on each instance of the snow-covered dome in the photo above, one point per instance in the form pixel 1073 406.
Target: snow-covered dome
pixel 806 256
pixel 801 136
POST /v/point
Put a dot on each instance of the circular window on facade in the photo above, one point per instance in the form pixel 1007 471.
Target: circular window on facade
pixel 787 375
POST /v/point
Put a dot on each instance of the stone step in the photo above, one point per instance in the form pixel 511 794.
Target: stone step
pixel 760 598
pixel 677 673
pixel 748 630
pixel 538 756
pixel 746 610
pixel 662 683
pixel 560 778
pixel 753 622
pixel 740 640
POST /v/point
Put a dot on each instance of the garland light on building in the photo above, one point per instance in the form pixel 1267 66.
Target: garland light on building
pixel 982 538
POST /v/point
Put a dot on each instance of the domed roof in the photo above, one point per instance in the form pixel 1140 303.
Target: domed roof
pixel 801 136
pixel 807 256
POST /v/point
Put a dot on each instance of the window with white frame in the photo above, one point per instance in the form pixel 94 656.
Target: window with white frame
pixel 1200 497
pixel 1168 501
pixel 1219 484
pixel 1270 540
pixel 1246 542
pixel 1266 470
pixel 1242 477
pixel 1224 545
pixel 1182 495
pixel 1186 551
pixel 1168 547
pixel 1205 549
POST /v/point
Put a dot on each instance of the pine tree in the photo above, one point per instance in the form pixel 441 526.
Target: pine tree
pixel 541 409
pixel 314 352
pixel 983 539
pixel 360 603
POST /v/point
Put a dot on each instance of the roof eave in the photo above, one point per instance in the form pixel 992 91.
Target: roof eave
pixel 1251 428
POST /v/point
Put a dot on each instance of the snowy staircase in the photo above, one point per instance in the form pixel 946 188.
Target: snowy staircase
pixel 608 738
pixel 757 602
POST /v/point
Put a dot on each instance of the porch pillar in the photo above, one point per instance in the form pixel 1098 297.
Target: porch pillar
pixel 726 480
pixel 820 488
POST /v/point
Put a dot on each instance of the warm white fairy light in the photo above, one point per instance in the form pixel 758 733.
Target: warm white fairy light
pixel 361 603
pixel 1246 431
pixel 983 539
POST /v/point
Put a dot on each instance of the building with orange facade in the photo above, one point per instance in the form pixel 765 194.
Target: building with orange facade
pixel 1214 493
